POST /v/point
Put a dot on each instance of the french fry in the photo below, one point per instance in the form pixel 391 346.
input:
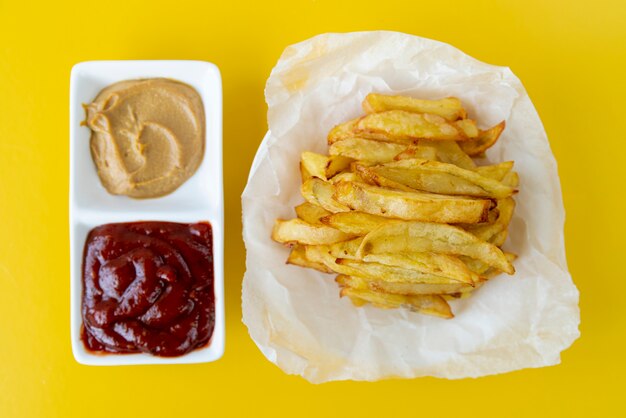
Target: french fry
pixel 497 171
pixel 406 127
pixel 511 179
pixel 397 237
pixel 345 249
pixel 411 205
pixel 314 164
pixel 439 264
pixel 319 192
pixel 438 177
pixel 366 149
pixel 337 164
pixel 417 151
pixel 484 141
pixel 345 176
pixel 505 208
pixel 426 304
pixel 409 289
pixel 298 257
pixel 357 223
pixel 322 166
pixel 374 271
pixel 296 231
pixel 450 152
pixel 311 213
pixel 449 108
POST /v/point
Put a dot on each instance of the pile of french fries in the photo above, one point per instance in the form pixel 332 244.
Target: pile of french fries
pixel 400 210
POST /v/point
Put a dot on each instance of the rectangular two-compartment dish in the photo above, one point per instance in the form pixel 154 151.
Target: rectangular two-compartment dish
pixel 199 199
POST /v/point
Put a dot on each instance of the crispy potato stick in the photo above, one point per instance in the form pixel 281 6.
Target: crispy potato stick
pixel 411 205
pixel 348 130
pixel 345 176
pixel 438 264
pixel 425 304
pixel 322 166
pixel 485 140
pixel 417 151
pixel 299 232
pixel 311 213
pixel 346 249
pixel 319 192
pixel 438 177
pixel 496 171
pixel 396 237
pixel 406 127
pixel 505 208
pixel 376 271
pixel 357 223
pixel 366 149
pixel 511 179
pixel 499 239
pixel 483 269
pixel 450 152
pixel 369 176
pixel 398 288
pixel 337 164
pixel 449 108
pixel 314 164
pixel 373 271
pixel 463 294
pixel 342 131
pixel 298 257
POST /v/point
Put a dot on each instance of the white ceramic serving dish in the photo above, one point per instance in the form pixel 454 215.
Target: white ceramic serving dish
pixel 200 198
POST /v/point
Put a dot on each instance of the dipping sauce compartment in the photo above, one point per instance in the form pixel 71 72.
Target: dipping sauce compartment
pixel 198 199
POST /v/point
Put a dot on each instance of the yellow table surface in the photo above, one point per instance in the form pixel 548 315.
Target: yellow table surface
pixel 571 59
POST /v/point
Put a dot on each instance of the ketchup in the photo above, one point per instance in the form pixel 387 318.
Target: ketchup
pixel 148 287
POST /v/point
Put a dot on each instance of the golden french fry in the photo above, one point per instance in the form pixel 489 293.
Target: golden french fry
pixel 424 304
pixel 406 127
pixel 449 108
pixel 497 171
pixel 369 176
pixel 298 257
pixel 417 151
pixel 376 271
pixel 411 205
pixel 438 177
pixel 499 239
pixel 319 192
pixel 505 208
pixel 296 231
pixel 337 164
pixel 366 149
pixel 483 269
pixel 397 237
pixel 398 288
pixel 357 223
pixel 484 141
pixel 314 164
pixel 311 213
pixel 511 179
pixel 322 166
pixel 345 176
pixel 438 264
pixel 373 271
pixel 450 152
pixel 345 249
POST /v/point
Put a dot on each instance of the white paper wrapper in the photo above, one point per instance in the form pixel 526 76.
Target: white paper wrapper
pixel 295 315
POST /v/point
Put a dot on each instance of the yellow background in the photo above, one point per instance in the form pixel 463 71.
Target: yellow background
pixel 571 59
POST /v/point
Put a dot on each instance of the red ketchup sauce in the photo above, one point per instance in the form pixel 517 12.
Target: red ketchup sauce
pixel 148 287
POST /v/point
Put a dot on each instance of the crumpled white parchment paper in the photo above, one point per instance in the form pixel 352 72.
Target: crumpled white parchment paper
pixel 295 315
